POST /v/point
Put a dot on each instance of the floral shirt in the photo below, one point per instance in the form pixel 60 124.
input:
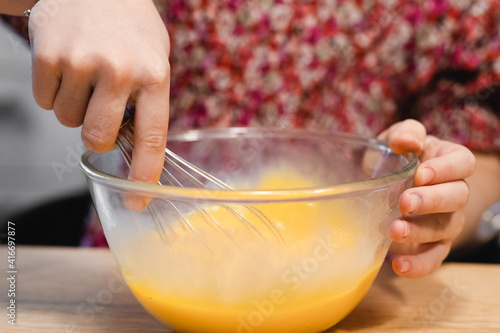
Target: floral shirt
pixel 354 66
pixel 341 65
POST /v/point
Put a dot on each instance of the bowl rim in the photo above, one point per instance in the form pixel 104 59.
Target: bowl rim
pixel 254 196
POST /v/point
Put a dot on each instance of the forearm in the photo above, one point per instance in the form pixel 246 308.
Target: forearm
pixel 15 7
pixel 484 187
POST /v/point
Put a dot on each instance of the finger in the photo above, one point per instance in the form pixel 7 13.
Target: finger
pixel 424 263
pixel 405 136
pixel 403 248
pixel 72 98
pixel 103 117
pixel 452 162
pixel 150 136
pixel 440 198
pixel 427 228
pixel 46 77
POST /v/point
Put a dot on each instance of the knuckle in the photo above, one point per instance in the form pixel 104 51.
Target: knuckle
pixel 446 169
pixel 115 69
pixel 431 145
pixel 433 202
pixel 153 140
pixel 468 159
pixel 96 140
pixel 43 66
pixel 158 75
pixel 78 63
pixel 44 56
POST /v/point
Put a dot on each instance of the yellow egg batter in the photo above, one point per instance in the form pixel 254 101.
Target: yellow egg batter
pixel 279 312
pixel 304 278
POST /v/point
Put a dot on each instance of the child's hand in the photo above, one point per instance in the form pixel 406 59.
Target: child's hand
pixel 432 216
pixel 90 59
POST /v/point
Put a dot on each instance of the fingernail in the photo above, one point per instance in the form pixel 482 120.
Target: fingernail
pixel 398 225
pixel 405 266
pixel 406 228
pixel 134 202
pixel 426 175
pixel 415 202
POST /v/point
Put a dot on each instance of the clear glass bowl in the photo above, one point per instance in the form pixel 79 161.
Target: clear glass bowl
pixel 196 265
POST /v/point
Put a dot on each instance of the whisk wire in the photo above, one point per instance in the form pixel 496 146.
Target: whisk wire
pixel 125 142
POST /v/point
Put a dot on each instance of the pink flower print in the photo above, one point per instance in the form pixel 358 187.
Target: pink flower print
pixel 414 15
pixel 263 27
pixel 437 7
pixel 314 35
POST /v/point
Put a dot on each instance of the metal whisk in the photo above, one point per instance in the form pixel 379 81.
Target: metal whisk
pixel 196 177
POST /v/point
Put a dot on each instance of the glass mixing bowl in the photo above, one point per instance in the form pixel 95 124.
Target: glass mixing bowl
pixel 294 249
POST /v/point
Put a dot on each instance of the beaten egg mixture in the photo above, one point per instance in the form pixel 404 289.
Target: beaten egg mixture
pixel 303 273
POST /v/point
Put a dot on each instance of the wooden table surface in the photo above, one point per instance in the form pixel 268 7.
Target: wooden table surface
pixel 81 290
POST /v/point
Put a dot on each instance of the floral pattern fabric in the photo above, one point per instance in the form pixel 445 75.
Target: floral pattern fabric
pixel 354 66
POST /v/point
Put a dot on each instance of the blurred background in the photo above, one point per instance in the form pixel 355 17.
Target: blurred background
pixel 38 156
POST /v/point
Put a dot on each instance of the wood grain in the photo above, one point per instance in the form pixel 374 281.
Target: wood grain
pixel 81 290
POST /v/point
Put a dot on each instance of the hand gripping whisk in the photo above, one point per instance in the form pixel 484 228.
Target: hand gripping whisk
pixel 199 179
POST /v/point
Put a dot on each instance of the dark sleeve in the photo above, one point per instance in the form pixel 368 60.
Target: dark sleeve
pixel 18 24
